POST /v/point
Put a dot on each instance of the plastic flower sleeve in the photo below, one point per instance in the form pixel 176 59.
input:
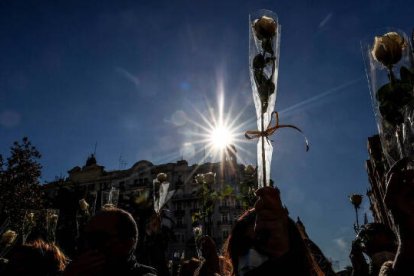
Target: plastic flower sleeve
pixel 264 33
pixel 52 217
pixel 389 66
pixel 110 198
pixel 161 192
pixel 29 222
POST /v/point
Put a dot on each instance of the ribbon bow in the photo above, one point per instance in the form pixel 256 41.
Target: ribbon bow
pixel 270 130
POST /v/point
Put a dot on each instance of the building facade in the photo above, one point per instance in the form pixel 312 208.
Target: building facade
pixel 135 187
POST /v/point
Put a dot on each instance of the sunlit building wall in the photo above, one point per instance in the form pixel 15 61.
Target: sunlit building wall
pixel 92 179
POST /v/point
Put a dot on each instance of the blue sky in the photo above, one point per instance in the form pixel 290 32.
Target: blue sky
pixel 125 75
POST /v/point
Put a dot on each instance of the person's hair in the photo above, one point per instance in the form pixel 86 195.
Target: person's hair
pixel 40 258
pixel 126 226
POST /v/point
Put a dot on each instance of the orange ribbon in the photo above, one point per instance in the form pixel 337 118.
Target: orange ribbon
pixel 253 134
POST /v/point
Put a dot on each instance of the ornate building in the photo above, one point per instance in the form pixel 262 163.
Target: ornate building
pixel 377 167
pixel 92 182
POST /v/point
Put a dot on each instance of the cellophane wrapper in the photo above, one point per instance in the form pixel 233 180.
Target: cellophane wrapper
pixel 397 139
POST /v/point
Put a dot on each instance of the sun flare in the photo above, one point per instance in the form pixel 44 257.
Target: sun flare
pixel 221 137
pixel 218 130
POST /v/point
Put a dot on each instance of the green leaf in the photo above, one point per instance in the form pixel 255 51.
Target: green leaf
pixel 227 191
pixel 407 75
pixel 383 92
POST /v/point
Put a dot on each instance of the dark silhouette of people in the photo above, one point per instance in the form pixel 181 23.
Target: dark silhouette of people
pixel 110 240
pixel 210 265
pixel 399 199
pixel 265 241
pixel 37 258
pixel 378 242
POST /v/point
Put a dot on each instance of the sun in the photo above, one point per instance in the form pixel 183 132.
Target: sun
pixel 221 137
pixel 217 130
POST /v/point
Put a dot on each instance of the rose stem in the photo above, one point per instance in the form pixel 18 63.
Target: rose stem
pixel 263 152
pixel 399 135
pixel 356 214
pixel 391 74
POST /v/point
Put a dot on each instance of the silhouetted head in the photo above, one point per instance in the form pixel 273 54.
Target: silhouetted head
pixel 207 247
pixel 113 232
pixel 37 258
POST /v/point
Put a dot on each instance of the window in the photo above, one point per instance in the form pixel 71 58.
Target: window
pixel 224 218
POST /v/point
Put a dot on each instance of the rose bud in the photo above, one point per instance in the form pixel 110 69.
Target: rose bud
pixel 162 177
pixel 54 218
pixel 388 48
pixel 209 178
pixel 356 200
pixel 30 217
pixel 249 170
pixel 8 237
pixel 83 204
pixel 264 28
pixel 197 231
pixel 199 178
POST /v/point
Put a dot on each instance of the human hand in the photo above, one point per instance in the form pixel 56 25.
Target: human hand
pixel 271 227
pixel 359 265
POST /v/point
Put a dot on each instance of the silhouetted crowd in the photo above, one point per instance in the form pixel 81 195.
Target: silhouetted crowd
pixel 263 241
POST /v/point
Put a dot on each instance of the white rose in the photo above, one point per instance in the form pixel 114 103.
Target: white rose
pixel 83 205
pixel 249 169
pixel 199 178
pixel 8 237
pixel 162 177
pixel 209 178
pixel 388 48
pixel 265 27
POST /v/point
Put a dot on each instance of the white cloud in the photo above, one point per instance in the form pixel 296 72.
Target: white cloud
pixel 341 243
pixel 128 75
pixel 325 20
